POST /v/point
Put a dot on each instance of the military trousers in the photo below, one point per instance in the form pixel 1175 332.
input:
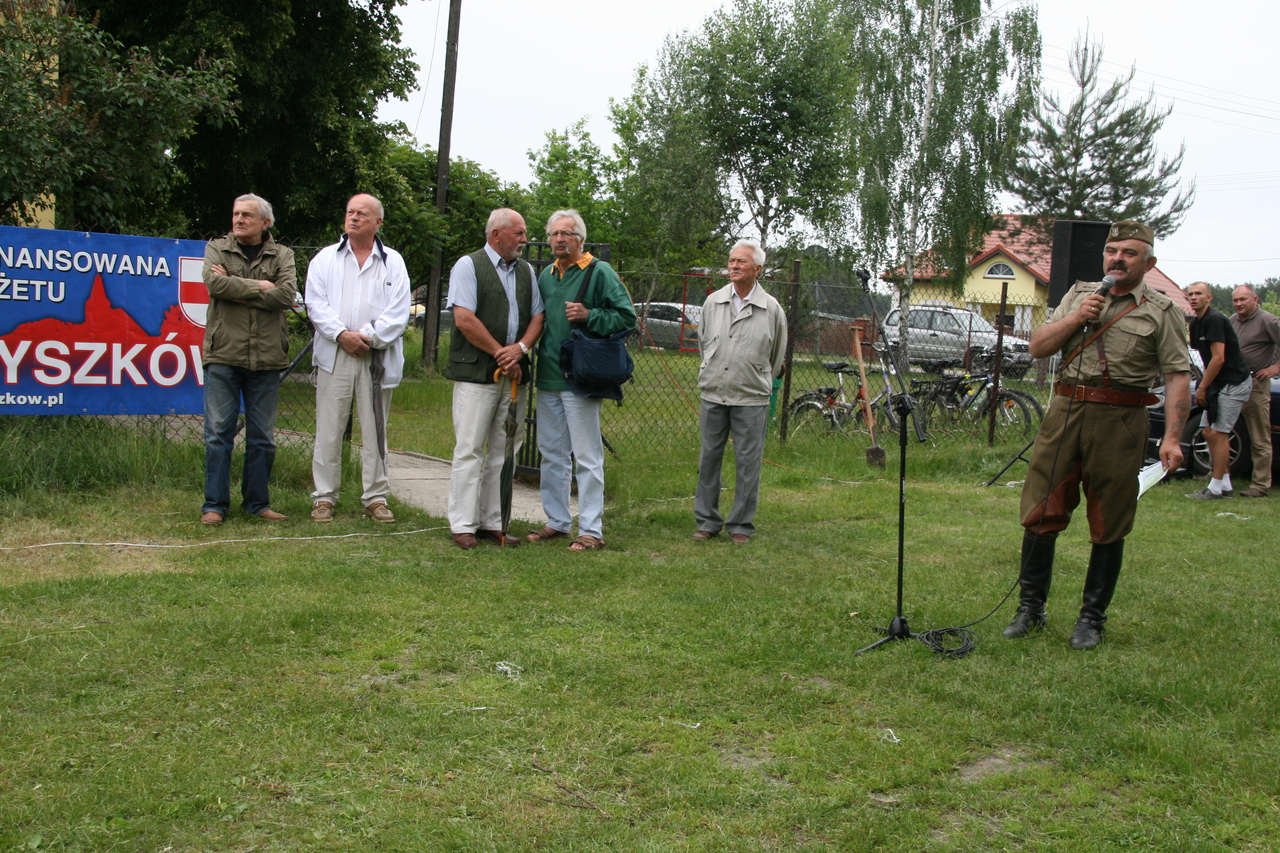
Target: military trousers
pixel 1097 448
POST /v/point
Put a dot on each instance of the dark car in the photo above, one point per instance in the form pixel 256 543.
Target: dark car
pixel 1194 449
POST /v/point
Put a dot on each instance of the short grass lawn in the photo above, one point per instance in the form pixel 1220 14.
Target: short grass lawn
pixel 355 687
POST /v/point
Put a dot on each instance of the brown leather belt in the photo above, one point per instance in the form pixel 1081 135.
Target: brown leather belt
pixel 1090 394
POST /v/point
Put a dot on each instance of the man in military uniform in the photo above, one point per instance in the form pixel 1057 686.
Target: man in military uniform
pixel 1094 436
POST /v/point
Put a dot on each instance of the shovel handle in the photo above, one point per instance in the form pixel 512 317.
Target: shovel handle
pixel 515 387
pixel 862 375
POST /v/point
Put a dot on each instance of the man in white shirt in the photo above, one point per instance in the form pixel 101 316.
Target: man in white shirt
pixel 357 297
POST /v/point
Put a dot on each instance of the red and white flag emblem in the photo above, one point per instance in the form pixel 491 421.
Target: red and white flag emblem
pixel 193 295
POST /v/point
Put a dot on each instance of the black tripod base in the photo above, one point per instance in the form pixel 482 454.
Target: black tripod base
pixel 897 630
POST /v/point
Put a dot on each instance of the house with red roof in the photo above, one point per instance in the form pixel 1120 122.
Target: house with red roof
pixel 1010 255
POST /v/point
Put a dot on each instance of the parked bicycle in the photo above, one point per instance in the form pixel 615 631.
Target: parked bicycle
pixel 830 409
pixel 964 402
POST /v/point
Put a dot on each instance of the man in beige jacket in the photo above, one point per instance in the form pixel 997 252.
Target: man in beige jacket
pixel 743 334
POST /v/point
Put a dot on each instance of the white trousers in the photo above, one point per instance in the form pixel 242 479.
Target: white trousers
pixel 334 392
pixel 479 450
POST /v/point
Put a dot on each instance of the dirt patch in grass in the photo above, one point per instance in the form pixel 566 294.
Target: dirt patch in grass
pixel 1000 762
pixel 751 763
pixel 61 562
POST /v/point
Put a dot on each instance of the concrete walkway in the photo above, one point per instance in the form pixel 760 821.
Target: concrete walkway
pixel 423 482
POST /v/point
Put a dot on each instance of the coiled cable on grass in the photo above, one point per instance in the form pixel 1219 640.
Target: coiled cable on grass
pixel 952 643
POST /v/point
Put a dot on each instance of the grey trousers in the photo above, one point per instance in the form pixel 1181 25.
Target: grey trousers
pixel 747 425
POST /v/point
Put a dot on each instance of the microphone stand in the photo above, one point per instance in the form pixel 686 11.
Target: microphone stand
pixel 1104 291
pixel 898 629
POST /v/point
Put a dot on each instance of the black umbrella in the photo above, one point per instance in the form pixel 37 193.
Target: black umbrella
pixel 376 372
pixel 507 480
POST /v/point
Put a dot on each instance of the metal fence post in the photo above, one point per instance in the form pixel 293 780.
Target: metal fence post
pixel 995 368
pixel 792 311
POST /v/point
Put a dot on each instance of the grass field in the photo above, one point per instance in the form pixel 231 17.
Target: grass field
pixel 337 688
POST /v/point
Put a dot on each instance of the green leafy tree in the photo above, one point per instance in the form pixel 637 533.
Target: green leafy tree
pixel 749 115
pixel 308 77
pixel 570 171
pixel 1095 157
pixel 944 88
pixel 771 90
pixel 413 224
pixel 674 210
pixel 90 126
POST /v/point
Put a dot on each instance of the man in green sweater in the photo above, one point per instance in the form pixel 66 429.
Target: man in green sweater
pixel 569 425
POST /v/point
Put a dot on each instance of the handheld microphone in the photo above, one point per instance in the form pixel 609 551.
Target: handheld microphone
pixel 1103 291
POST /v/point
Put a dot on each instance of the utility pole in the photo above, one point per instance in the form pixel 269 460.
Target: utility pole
pixel 431 329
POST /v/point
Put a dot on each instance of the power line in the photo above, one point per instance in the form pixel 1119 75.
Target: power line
pixel 1140 73
pixel 426 84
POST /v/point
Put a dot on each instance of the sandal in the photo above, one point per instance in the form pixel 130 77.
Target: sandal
pixel 545 534
pixel 587 543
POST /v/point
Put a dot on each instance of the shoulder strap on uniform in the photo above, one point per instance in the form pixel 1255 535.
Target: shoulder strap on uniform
pixel 1096 335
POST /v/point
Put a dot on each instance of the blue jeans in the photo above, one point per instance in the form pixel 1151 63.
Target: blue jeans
pixel 568 424
pixel 224 385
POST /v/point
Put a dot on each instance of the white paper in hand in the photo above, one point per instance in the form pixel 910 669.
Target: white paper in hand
pixel 1149 476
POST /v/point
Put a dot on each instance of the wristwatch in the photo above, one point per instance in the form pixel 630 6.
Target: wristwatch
pixel 524 349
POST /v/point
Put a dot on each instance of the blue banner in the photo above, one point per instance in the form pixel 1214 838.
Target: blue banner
pixel 100 324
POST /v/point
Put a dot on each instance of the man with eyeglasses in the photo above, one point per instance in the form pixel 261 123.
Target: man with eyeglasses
pixel 569 425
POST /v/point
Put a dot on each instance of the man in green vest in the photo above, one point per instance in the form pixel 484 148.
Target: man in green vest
pixel 497 317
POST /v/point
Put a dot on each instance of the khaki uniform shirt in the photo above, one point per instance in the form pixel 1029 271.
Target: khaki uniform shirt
pixel 1149 341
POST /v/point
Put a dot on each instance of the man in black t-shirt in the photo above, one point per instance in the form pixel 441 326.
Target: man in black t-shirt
pixel 1223 390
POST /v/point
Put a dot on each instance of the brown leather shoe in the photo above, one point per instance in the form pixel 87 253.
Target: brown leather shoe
pixel 1253 493
pixel 496 537
pixel 322 512
pixel 704 535
pixel 272 515
pixel 739 539
pixel 379 511
pixel 211 517
pixel 465 541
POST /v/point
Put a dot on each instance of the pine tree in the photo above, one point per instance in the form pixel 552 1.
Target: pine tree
pixel 1095 158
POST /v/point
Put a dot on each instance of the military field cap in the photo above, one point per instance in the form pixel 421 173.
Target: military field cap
pixel 1127 229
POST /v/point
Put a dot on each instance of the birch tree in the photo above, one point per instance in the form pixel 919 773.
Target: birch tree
pixel 944 87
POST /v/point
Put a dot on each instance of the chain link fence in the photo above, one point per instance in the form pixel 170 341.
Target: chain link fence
pixel 948 364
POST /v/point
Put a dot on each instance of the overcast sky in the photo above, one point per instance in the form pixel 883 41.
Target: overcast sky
pixel 525 68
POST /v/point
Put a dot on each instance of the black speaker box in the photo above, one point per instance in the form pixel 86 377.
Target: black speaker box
pixel 1077 255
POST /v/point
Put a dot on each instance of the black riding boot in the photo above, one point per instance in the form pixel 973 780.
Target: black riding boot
pixel 1099 586
pixel 1036 574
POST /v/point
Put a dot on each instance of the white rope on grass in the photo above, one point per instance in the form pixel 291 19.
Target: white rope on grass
pixel 221 541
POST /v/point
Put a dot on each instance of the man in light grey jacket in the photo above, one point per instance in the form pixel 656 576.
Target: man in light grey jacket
pixel 743 334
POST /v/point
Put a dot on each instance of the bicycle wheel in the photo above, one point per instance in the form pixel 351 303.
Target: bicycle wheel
pixel 1013 417
pixel 938 410
pixel 809 417
pixel 1033 404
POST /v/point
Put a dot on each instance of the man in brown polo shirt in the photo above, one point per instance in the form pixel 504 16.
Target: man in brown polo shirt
pixel 1259 334
pixel 1094 435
